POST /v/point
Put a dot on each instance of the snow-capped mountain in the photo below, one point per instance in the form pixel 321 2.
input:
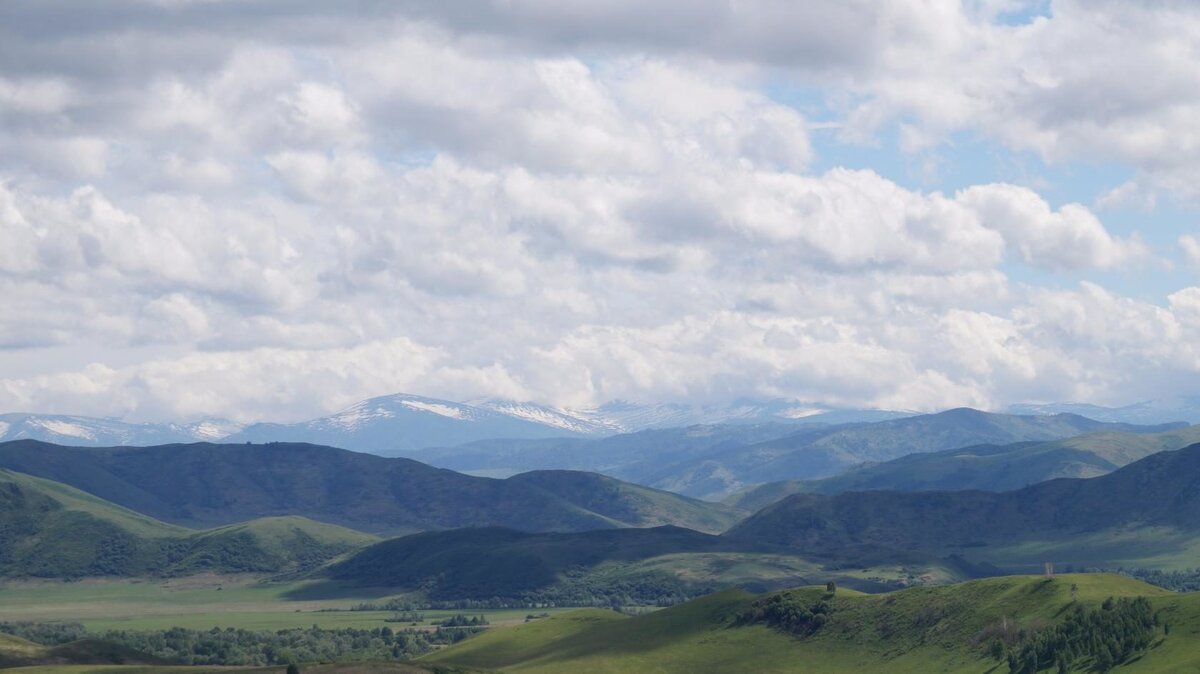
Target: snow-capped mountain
pixel 403 422
pixel 622 416
pixel 572 421
pixel 93 432
pixel 1147 412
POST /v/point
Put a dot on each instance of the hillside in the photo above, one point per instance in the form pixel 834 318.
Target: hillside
pixel 51 530
pixel 1147 513
pixel 475 563
pixel 17 652
pixel 985 467
pixel 626 502
pixel 712 462
pixel 204 485
pixel 939 629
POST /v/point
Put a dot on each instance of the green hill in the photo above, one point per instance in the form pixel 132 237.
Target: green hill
pixel 204 485
pixel 474 563
pixel 51 530
pixel 17 652
pixel 986 467
pixel 937 629
pixel 1146 514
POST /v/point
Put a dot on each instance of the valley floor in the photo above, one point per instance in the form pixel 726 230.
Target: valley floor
pixel 203 602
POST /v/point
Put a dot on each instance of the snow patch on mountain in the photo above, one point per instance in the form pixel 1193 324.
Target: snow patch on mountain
pixel 65 428
pixel 436 408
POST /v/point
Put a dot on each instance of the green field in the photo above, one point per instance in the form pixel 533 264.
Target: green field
pixel 917 630
pixel 203 602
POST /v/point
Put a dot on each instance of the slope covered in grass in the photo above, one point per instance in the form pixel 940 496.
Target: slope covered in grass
pixel 935 629
pixel 474 563
pixel 51 530
pixel 17 652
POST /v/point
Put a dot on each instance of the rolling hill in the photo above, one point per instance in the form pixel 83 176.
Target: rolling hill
pixel 481 563
pixel 50 530
pixel 985 467
pixel 17 652
pixel 713 462
pixel 948 628
pixel 206 485
pixel 1146 513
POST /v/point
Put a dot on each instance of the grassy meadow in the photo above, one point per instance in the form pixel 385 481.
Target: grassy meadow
pixel 203 602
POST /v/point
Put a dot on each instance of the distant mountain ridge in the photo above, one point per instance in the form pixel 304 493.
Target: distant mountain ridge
pixel 93 432
pixel 713 462
pixel 984 467
pixel 1183 408
pixel 402 422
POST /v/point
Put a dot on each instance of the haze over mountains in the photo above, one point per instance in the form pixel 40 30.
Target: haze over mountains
pixel 404 422
pixel 985 467
pixel 715 461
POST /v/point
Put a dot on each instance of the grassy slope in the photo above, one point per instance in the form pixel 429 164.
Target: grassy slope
pixel 49 529
pixel 991 468
pixel 469 563
pixel 915 630
pixel 16 652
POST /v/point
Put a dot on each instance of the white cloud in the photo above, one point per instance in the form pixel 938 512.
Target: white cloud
pixel 1070 238
pixel 569 204
pixel 1191 249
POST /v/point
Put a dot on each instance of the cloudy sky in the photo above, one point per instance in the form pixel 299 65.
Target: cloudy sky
pixel 267 209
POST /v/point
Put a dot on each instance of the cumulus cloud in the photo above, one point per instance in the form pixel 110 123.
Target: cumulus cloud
pixel 268 210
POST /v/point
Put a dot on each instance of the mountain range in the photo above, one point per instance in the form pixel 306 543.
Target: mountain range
pixel 400 423
pixel 1181 408
pixel 713 462
pixel 93 432
pixel 984 467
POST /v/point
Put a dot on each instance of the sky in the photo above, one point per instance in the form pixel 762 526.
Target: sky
pixel 269 209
